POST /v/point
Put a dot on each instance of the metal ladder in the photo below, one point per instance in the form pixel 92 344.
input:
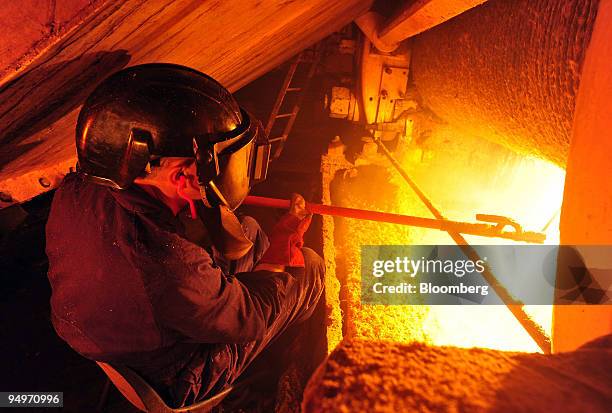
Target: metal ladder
pixel 308 56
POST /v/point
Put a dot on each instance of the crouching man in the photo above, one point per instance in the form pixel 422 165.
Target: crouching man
pixel 131 283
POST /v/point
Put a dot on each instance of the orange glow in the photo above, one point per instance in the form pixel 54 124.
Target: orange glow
pixel 461 179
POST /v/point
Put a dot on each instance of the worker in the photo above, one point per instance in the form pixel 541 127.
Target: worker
pixel 130 285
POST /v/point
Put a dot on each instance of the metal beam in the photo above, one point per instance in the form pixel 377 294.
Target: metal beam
pixel 416 16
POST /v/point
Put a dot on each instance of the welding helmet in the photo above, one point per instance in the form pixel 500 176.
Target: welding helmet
pixel 147 112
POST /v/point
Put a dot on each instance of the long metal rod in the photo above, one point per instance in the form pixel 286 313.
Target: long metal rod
pixel 484 230
pixel 515 306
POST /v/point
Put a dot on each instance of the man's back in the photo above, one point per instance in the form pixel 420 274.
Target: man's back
pixel 129 289
pixel 128 286
pixel 100 304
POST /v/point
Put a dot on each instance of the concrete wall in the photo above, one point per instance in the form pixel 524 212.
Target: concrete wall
pixel 508 71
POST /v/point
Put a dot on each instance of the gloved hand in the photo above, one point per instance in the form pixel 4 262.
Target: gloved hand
pixel 287 237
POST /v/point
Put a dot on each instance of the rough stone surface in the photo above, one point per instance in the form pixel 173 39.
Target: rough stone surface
pixel 508 71
pixel 30 26
pixel 378 376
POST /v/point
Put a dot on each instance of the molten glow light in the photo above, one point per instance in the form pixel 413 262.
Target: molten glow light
pixel 487 179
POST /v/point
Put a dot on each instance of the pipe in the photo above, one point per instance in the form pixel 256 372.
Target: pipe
pixel 481 229
pixel 411 19
pixel 515 306
pixel 415 17
pixel 370 24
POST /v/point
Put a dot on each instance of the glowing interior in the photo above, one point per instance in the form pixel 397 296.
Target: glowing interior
pixel 461 179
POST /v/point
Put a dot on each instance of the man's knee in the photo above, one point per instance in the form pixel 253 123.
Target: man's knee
pixel 314 278
pixel 250 226
pixel 254 232
pixel 314 263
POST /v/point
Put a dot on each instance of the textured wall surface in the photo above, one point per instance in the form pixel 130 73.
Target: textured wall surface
pixel 379 376
pixel 508 71
pixel 30 26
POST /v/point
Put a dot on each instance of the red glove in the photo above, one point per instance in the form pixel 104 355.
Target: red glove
pixel 286 241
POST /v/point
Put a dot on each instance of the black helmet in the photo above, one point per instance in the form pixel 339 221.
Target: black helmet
pixel 150 111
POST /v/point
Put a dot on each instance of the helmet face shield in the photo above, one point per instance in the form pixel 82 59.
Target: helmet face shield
pixel 159 110
pixel 229 166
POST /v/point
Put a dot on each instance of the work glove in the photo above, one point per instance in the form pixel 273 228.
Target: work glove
pixel 287 237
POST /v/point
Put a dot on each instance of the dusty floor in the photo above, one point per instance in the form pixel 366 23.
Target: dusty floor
pixel 378 376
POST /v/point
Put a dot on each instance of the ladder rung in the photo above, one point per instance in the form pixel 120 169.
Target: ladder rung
pixel 293 89
pixel 306 57
pixel 284 115
pixel 279 138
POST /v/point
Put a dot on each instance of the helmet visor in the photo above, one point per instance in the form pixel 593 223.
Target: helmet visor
pixel 230 164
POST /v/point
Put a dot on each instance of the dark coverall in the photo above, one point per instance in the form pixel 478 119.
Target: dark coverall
pixel 129 288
